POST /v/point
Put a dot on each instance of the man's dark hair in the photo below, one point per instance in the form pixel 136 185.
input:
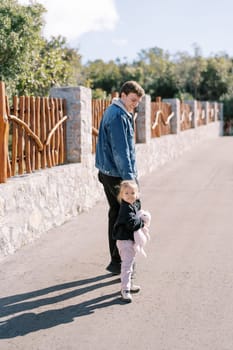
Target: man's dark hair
pixel 132 86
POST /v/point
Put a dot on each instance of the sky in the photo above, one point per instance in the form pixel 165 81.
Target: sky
pixel 111 29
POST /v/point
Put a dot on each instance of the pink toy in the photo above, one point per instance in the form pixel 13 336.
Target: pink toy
pixel 142 236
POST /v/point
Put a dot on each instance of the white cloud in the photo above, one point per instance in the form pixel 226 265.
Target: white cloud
pixel 120 42
pixel 72 18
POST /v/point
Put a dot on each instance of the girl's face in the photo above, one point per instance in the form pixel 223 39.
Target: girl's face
pixel 130 101
pixel 129 194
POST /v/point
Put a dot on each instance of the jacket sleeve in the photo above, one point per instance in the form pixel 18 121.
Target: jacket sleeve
pixel 130 218
pixel 121 148
pixel 134 223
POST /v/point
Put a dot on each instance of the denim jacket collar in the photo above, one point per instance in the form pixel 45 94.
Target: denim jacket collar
pixel 118 102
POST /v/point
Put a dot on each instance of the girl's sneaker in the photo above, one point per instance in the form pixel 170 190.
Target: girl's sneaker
pixel 126 296
pixel 135 289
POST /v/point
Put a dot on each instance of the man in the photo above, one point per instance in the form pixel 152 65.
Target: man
pixel 115 155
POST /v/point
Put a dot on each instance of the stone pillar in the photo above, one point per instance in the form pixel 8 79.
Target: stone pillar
pixel 175 121
pixel 220 118
pixel 220 111
pixel 216 111
pixel 79 123
pixel 193 106
pixel 206 107
pixel 143 120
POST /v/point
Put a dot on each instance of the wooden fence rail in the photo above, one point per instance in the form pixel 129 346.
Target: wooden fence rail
pixel 185 116
pixel 200 114
pixel 161 115
pixel 211 113
pixel 33 131
pixel 4 132
pixel 98 108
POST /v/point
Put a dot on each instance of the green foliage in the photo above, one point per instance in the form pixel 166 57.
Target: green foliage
pixel 29 64
pixel 20 28
pixel 182 75
pixel 215 78
pixel 157 70
pixel 228 108
pixel 188 70
pixel 105 76
pixel 53 65
pixel 99 94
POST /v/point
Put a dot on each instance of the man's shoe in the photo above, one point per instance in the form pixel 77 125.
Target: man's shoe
pixel 126 296
pixel 114 268
pixel 135 289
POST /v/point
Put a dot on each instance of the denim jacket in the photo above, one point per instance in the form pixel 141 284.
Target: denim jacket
pixel 115 151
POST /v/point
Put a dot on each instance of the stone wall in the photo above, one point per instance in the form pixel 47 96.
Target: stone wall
pixel 32 204
pixel 161 150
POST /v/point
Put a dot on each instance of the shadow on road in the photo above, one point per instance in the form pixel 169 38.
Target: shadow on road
pixel 28 322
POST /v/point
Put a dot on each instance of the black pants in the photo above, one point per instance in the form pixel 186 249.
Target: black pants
pixel 111 189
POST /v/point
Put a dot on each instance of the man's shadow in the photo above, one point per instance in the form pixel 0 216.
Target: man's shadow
pixel 28 322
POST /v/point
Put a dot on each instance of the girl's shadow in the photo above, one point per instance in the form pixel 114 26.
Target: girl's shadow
pixel 28 322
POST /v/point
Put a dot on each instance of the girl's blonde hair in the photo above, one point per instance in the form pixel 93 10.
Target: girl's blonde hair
pixel 125 184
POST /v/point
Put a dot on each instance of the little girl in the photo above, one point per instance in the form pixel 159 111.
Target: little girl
pixel 127 223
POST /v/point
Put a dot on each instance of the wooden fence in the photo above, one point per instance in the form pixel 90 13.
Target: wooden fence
pixel 211 113
pixel 200 114
pixel 98 108
pixel 32 134
pixel 185 116
pixel 161 115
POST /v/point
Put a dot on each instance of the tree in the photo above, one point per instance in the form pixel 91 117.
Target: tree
pixel 30 64
pixel 158 73
pixel 20 28
pixel 188 71
pixel 102 76
pixel 53 65
pixel 215 79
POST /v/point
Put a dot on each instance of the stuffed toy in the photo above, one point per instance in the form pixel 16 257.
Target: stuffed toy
pixel 142 236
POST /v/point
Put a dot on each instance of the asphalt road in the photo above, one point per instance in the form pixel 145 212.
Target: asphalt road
pixel 55 294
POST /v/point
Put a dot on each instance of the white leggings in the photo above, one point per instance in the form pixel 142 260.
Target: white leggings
pixel 127 254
